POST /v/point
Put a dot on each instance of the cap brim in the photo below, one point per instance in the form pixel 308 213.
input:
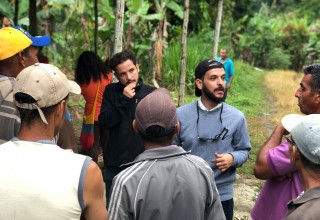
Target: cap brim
pixel 291 121
pixel 40 41
pixel 74 87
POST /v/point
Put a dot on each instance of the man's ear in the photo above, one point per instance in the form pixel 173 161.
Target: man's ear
pixel 61 108
pixel 295 156
pixel 134 125
pixel 318 96
pixel 22 59
pixel 137 66
pixel 177 128
pixel 199 84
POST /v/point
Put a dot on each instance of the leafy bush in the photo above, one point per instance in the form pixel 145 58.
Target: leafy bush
pixel 277 59
pixel 196 52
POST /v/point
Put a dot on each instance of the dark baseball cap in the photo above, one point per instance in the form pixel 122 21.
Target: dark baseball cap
pixel 202 68
pixel 157 108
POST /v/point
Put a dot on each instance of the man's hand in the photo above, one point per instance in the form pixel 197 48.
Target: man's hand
pixel 130 90
pixel 223 161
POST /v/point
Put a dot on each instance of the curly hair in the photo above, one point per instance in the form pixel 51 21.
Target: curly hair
pixel 90 66
pixel 120 58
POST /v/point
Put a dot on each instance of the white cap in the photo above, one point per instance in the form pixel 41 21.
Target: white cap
pixel 305 131
pixel 46 84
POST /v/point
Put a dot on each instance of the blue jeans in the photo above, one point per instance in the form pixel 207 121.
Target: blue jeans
pixel 108 176
pixel 228 208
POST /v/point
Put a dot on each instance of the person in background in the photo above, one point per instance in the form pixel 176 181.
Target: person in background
pixel 228 67
pixel 164 176
pixel 214 130
pixel 117 113
pixel 15 55
pixel 92 74
pixel 5 21
pixel 273 159
pixel 39 180
pixel 304 151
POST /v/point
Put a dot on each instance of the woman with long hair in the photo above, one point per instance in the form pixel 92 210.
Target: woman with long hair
pixel 93 76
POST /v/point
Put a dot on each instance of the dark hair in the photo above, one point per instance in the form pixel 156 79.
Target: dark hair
pixel 314 70
pixel 28 116
pixel 157 134
pixel 308 164
pixel 90 66
pixel 119 58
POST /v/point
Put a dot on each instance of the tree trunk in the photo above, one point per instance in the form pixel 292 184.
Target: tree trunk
pixel 16 12
pixel 84 28
pixel 33 17
pixel 95 26
pixel 217 29
pixel 183 53
pixel 118 31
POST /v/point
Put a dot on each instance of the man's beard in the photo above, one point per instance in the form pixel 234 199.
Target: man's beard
pixel 211 95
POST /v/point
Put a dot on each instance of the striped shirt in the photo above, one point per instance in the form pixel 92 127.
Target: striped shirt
pixel 9 116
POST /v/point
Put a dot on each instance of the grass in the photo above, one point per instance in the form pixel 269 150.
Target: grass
pixel 280 87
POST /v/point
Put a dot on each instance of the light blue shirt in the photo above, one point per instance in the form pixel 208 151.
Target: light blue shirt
pixel 229 68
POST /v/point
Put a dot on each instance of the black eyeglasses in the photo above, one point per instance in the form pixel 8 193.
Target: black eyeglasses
pixel 223 131
pixel 290 140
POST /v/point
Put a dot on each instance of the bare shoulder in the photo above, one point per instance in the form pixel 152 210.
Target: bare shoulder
pixel 94 194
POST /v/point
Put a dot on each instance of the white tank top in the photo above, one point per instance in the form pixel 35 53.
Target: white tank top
pixel 40 181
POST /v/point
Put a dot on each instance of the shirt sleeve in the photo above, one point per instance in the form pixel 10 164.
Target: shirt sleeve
pixel 279 160
pixel 241 143
pixel 119 203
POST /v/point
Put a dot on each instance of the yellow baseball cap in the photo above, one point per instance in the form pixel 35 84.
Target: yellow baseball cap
pixel 12 41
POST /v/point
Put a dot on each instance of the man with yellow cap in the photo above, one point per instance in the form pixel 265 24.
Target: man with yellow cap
pixel 14 57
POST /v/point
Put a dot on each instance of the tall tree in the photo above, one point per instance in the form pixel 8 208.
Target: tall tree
pixel 118 30
pixel 16 12
pixel 161 33
pixel 33 17
pixel 183 52
pixel 95 25
pixel 217 29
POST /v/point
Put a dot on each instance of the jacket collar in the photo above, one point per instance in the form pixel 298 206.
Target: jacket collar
pixel 159 153
pixel 310 194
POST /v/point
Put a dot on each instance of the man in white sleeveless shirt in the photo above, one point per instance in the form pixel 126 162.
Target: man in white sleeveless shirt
pixel 39 180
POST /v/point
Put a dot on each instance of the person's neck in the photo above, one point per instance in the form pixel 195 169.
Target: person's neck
pixel 224 59
pixel 208 103
pixel 149 145
pixel 7 72
pixel 310 179
pixel 35 132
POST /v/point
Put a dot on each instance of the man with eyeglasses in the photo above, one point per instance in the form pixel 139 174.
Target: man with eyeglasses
pixel 214 130
pixel 273 160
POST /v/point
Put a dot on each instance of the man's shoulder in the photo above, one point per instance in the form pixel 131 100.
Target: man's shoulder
pixel 148 88
pixel 186 107
pixel 233 110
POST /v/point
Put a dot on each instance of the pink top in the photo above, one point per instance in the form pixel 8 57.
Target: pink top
pixel 89 93
pixel 271 203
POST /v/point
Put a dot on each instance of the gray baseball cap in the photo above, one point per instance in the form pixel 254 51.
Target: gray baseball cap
pixel 305 131
pixel 157 108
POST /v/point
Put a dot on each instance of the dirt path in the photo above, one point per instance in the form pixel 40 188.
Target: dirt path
pixel 247 187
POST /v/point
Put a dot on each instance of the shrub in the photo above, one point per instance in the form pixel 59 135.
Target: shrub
pixel 277 59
